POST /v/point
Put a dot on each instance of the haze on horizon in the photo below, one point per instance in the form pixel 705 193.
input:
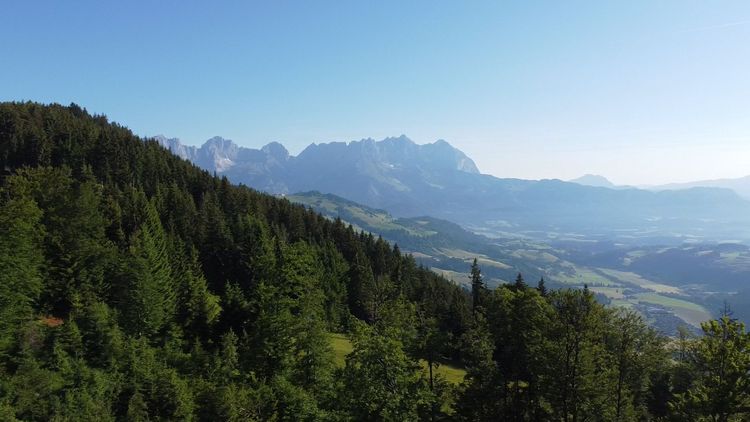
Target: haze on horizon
pixel 641 92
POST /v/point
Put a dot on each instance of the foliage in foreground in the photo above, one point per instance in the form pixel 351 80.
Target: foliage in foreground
pixel 134 286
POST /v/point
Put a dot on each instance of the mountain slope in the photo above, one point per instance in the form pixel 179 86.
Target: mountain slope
pixel 436 179
pixel 669 286
pixel 136 286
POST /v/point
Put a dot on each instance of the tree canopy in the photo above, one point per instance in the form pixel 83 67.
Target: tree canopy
pixel 135 286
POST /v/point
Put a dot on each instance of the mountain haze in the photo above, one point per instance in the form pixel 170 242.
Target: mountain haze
pixel 439 180
pixel 594 180
pixel 740 185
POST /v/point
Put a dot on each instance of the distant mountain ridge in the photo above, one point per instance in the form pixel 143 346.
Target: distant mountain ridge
pixel 438 180
pixel 741 185
pixel 271 168
pixel 594 180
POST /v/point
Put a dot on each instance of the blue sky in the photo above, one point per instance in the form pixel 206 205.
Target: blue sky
pixel 639 91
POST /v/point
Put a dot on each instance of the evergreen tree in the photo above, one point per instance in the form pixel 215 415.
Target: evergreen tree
pixel 150 305
pixel 541 287
pixel 480 393
pixel 477 285
pixel 361 288
pixel 21 263
pixel 114 254
pixel 721 358
pixel 197 308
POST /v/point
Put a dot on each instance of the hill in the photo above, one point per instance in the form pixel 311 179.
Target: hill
pixel 136 286
pixel 739 185
pixel 646 278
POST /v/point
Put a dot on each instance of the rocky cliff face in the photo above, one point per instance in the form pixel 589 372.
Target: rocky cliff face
pixel 366 166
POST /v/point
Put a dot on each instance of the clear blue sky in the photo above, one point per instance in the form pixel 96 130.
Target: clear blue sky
pixel 640 91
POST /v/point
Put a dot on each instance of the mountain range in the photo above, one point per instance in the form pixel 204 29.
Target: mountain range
pixel 633 247
pixel 594 180
pixel 438 180
pixel 740 185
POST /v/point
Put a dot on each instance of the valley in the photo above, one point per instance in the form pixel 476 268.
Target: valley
pixel 675 256
pixel 637 278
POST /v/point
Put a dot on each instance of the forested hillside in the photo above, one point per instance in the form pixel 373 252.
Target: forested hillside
pixel 135 286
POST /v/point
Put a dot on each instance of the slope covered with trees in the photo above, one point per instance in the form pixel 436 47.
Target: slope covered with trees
pixel 135 286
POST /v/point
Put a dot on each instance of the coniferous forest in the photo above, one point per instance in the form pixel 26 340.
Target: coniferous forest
pixel 135 286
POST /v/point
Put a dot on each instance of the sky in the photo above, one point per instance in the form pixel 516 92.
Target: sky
pixel 642 92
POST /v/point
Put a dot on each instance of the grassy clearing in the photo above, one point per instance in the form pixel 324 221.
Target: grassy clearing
pixel 621 303
pixel 376 220
pixel 452 374
pixel 462 279
pixel 468 256
pixel 583 275
pixel 460 253
pixel 456 277
pixel 610 292
pixel 342 346
pixel 692 313
pixel 632 278
pixel 535 255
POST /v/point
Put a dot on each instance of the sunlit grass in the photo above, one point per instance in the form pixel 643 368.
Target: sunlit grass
pixel 342 346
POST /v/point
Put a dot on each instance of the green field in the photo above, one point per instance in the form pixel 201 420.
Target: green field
pixel 583 275
pixel 632 278
pixel 691 313
pixel 342 346
pixel 610 292
pixel 456 277
pixel 469 257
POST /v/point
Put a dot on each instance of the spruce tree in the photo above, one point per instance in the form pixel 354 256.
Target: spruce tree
pixel 477 285
pixel 721 358
pixel 541 287
pixel 150 304
pixel 20 265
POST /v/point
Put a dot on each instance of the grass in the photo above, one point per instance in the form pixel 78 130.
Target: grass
pixel 462 279
pixel 583 276
pixel 374 219
pixel 632 278
pixel 692 313
pixel 469 257
pixel 621 303
pixel 461 254
pixel 610 292
pixel 342 346
pixel 535 255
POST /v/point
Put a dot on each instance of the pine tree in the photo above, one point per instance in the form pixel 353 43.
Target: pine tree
pixel 150 305
pixel 21 263
pixel 477 285
pixel 480 393
pixel 721 359
pixel 541 287
pixel 197 308
pixel 361 288
pixel 519 284
pixel 137 408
